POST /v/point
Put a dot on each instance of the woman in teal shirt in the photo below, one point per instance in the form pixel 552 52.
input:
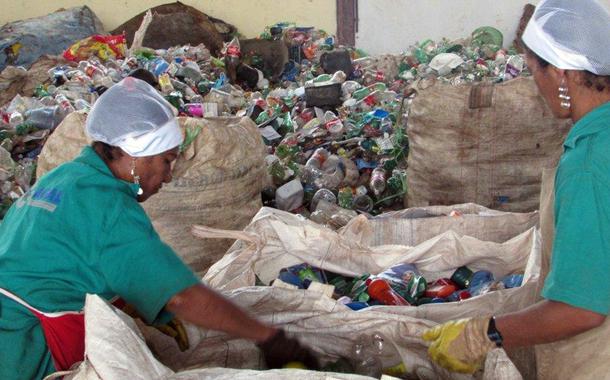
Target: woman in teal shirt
pixel 568 52
pixel 81 230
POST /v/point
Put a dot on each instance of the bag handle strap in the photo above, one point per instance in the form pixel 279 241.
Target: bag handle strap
pixel 204 232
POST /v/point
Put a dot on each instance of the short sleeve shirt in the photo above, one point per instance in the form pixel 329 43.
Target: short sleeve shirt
pixel 79 230
pixel 581 250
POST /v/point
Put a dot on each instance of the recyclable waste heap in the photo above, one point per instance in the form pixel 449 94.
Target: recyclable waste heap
pixel 333 119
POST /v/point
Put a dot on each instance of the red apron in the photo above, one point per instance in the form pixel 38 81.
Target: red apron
pixel 64 332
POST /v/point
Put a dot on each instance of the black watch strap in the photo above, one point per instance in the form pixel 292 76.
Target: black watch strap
pixel 493 334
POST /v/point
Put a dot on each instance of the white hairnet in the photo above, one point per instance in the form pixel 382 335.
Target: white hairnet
pixel 571 35
pixel 135 117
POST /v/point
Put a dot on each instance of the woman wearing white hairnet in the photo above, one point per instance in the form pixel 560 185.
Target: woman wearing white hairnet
pixel 568 52
pixel 81 230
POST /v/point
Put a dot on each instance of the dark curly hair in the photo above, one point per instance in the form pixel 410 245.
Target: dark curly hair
pixel 107 152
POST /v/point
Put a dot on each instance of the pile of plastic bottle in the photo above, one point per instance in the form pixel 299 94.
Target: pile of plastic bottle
pixel 400 285
pixel 330 161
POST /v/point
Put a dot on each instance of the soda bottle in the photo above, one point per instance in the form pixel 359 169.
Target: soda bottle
pixel 165 84
pixel 317 158
pixel 363 203
pixel 365 360
pixel 44 117
pixel 158 66
pixel 322 194
pixel 82 104
pixel 378 181
pixel 380 290
pixel 15 119
pixel 194 109
pixel 346 197
pixel 64 103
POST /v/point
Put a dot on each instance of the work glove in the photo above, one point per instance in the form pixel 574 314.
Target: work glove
pixel 173 328
pixel 460 345
pixel 280 350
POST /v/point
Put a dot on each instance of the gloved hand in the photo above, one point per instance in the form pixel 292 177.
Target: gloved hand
pixel 175 329
pixel 280 350
pixel 460 345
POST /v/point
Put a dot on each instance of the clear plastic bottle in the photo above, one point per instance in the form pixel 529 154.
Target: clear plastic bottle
pixel 317 158
pixel 309 175
pixel 82 104
pixel 366 359
pixel 333 173
pixel 332 215
pixel 44 117
pixel 322 194
pixel 15 119
pixel 378 181
pixel 64 103
pixel 363 203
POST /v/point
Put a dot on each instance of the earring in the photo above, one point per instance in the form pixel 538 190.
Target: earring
pixel 563 95
pixel 136 178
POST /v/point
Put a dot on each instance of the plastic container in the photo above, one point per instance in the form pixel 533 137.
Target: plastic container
pixel 380 290
pixel 331 180
pixel 363 203
pixel 366 358
pixel 512 281
pixel 64 103
pixel 459 295
pixel 322 194
pixel 194 109
pixel 346 197
pixel 441 288
pixel 462 276
pixel 309 175
pixel 317 158
pixel 378 181
pixel 44 117
pixel 158 66
pixel 480 277
pixel 82 104
pixel 165 83
pixel 16 119
pixel 332 215
pixel 289 196
pixel 406 280
pixel 337 60
pixel 325 95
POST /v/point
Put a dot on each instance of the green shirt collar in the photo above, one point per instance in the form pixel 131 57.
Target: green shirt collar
pixel 89 157
pixel 588 125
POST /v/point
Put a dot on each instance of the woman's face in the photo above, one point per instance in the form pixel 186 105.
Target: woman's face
pixel 548 81
pixel 154 171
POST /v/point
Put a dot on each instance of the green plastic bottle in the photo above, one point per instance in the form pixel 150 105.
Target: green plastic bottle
pixel 346 197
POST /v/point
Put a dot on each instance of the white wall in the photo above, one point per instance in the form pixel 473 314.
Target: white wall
pixel 249 16
pixel 391 26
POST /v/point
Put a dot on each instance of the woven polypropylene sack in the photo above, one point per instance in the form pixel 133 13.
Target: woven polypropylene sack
pixel 483 143
pixel 217 182
pixel 276 239
pixel 414 225
pixel 64 144
pixel 117 349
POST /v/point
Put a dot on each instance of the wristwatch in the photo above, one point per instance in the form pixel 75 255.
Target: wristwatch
pixel 493 334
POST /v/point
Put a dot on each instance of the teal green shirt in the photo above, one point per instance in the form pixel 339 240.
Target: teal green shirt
pixel 580 265
pixel 79 230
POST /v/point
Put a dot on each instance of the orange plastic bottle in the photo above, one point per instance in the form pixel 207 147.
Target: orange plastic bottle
pixel 381 291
